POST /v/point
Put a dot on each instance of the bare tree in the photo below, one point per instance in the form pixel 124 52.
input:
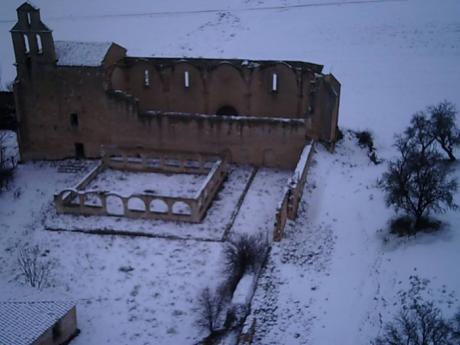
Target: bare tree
pixel 419 135
pixel 416 182
pixel 211 309
pixel 34 267
pixel 443 127
pixel 419 324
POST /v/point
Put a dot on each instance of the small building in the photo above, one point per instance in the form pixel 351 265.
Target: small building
pixel 37 323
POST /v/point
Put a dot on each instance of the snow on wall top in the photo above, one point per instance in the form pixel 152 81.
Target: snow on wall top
pixel 70 53
pixel 21 323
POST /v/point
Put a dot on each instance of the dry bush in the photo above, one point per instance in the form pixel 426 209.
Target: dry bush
pixel 419 321
pixel 210 308
pixel 421 324
pixel 244 254
pixel 366 140
pixel 34 266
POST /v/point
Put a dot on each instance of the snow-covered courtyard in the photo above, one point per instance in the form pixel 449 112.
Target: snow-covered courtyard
pixel 126 183
pixel 337 275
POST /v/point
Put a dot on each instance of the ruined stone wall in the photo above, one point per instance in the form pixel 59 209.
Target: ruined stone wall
pixel 166 115
pixel 246 86
pixel 46 100
pixel 259 141
pixel 166 103
pixel 50 95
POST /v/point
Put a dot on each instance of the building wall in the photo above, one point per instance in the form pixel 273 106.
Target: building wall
pixel 258 141
pixel 245 86
pixel 67 328
pixel 45 102
pixel 48 98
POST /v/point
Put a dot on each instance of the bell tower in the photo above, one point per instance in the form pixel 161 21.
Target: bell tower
pixel 32 40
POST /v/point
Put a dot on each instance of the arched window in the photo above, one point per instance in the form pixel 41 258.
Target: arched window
pixel 186 79
pixel 26 44
pixel 146 78
pixel 275 82
pixel 39 44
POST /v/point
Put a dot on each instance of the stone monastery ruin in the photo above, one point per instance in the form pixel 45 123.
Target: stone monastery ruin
pixel 73 97
pixel 165 115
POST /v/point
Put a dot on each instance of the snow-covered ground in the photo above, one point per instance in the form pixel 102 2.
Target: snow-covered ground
pixel 126 183
pixel 128 289
pixel 337 275
pixel 335 278
pixel 214 227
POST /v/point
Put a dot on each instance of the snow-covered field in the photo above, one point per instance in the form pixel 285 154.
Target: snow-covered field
pixel 335 278
pixel 337 275
pixel 129 290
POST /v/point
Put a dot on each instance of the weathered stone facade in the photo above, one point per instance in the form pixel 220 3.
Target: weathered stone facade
pixel 260 112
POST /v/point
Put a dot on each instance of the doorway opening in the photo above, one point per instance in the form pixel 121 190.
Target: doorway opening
pixel 227 110
pixel 79 151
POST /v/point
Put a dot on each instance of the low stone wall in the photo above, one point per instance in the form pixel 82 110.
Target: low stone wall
pixel 142 160
pixel 289 204
pixel 281 215
pixel 79 201
pixel 297 182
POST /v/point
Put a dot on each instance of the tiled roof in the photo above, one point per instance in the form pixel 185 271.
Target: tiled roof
pixel 21 323
pixel 70 53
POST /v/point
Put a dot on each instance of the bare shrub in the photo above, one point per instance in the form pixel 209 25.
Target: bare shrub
pixel 210 308
pixel 34 266
pixel 420 324
pixel 419 321
pixel 365 140
pixel 244 254
pixel 405 225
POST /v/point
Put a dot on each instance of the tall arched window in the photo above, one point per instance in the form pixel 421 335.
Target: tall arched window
pixel 26 44
pixel 146 78
pixel 274 82
pixel 186 79
pixel 39 44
